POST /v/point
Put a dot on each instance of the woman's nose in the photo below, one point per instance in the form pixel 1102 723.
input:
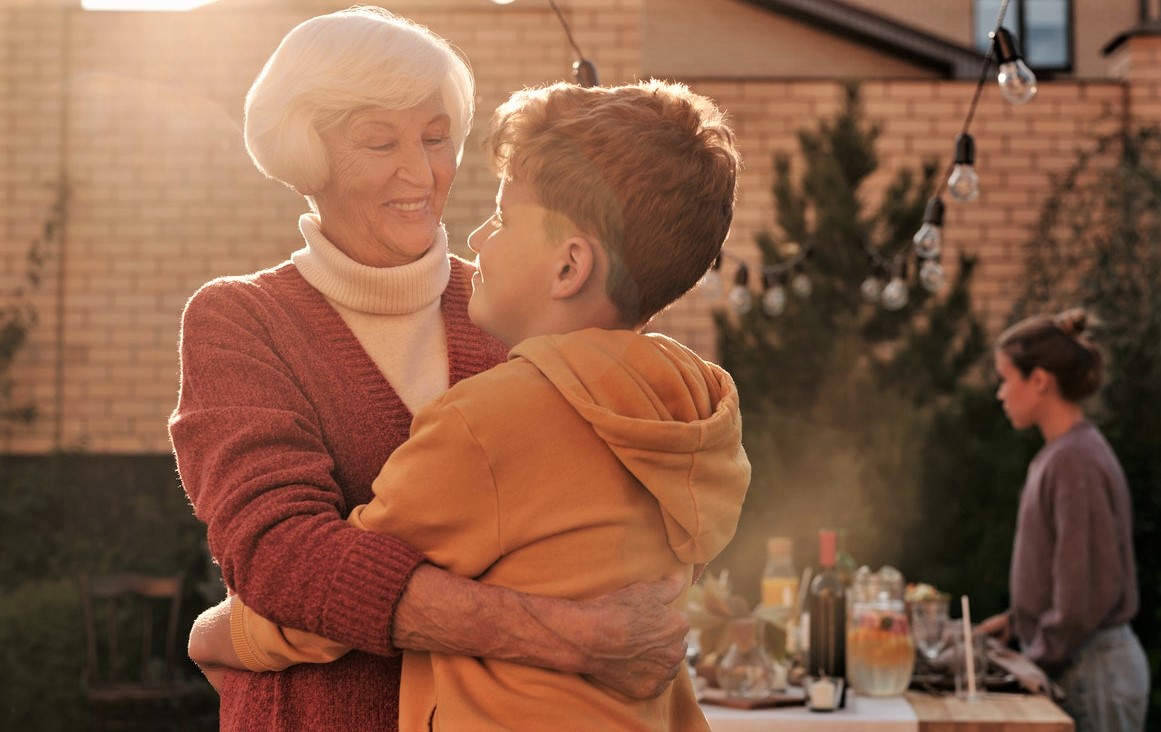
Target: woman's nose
pixel 415 167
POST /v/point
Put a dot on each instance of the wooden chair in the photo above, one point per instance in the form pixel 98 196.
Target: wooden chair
pixel 131 675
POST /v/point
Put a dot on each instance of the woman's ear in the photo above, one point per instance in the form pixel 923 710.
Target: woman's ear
pixel 1042 380
pixel 574 267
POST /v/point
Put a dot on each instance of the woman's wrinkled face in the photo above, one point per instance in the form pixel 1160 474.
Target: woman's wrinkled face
pixel 1019 396
pixel 390 174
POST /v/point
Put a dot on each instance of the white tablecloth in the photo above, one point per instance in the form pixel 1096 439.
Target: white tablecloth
pixel 891 714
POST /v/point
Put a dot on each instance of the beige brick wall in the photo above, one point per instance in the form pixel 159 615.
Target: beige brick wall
pixel 141 113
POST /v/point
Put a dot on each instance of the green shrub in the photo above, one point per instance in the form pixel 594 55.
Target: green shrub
pixel 41 657
pixel 65 514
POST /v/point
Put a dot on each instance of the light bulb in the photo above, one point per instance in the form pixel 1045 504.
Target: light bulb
pixel 871 289
pixel 585 73
pixel 801 285
pixel 932 276
pixel 895 294
pixel 1017 82
pixel 964 183
pixel 711 285
pixel 774 301
pixel 740 299
pixel 929 239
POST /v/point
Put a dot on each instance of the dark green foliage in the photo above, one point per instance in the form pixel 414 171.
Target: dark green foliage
pixel 838 394
pixel 61 515
pixel 972 470
pixel 42 651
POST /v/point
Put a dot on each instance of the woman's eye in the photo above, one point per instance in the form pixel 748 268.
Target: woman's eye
pixel 384 146
pixel 437 140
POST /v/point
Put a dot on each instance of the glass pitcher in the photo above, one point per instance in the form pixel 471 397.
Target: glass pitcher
pixel 880 651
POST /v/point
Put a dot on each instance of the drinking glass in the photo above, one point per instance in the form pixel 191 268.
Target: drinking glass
pixel 928 624
pixel 964 689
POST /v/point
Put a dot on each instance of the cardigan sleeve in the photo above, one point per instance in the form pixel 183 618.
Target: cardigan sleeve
pixel 435 491
pixel 253 460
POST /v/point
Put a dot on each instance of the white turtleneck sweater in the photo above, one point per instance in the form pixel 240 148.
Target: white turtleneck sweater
pixel 393 311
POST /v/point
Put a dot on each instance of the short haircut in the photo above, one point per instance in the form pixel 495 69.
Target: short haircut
pixel 1058 345
pixel 332 65
pixel 648 169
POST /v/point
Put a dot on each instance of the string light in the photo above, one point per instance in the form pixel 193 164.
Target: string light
pixel 774 296
pixel 887 283
pixel 583 70
pixel 740 297
pixel 928 240
pixel 964 182
pixel 1017 82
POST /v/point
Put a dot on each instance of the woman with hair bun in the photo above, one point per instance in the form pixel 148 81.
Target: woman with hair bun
pixel 1073 580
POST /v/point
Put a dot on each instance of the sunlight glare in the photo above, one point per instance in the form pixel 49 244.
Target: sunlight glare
pixel 144 5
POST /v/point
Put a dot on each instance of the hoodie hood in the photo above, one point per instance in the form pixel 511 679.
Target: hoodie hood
pixel 671 418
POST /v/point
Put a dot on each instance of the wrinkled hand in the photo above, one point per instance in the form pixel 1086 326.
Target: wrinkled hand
pixel 636 642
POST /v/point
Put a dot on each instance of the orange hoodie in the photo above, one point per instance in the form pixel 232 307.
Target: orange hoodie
pixel 588 461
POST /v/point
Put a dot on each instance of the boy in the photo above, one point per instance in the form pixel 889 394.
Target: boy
pixel 597 455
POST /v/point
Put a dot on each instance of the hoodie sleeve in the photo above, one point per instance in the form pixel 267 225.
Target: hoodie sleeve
pixel 437 493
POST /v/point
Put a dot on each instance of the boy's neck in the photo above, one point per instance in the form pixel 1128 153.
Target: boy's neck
pixel 561 317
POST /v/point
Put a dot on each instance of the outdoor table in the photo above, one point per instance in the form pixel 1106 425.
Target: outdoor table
pixel 914 712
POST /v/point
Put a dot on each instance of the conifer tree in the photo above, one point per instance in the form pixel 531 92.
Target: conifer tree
pixel 837 391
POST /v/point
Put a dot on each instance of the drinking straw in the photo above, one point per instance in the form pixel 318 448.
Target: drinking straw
pixel 969 647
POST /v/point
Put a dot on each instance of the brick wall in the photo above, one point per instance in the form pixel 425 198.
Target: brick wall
pixel 141 115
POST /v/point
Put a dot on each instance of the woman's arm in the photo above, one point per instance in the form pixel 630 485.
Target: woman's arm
pixel 257 465
pixel 629 640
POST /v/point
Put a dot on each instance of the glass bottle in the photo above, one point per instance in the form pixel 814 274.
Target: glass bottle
pixel 745 671
pixel 826 603
pixel 881 652
pixel 779 578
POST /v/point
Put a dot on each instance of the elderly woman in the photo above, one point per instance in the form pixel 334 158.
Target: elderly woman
pixel 297 382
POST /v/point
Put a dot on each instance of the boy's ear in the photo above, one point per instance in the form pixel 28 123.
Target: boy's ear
pixel 574 267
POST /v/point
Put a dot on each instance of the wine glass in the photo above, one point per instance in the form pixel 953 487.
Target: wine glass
pixel 928 622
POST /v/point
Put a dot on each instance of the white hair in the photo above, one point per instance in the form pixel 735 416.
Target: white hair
pixel 332 65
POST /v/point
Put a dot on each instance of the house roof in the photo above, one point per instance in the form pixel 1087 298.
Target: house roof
pixel 882 33
pixel 1148 28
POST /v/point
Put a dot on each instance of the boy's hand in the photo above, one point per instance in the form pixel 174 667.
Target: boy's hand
pixel 210 644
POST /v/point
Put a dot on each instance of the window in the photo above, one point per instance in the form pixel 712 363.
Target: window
pixel 1043 29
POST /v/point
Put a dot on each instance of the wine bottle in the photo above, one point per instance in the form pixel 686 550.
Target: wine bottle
pixel 826 603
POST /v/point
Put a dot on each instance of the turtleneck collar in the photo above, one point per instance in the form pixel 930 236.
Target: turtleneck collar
pixel 378 290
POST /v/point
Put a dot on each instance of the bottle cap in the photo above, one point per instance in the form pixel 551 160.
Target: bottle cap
pixel 826 547
pixel 779 546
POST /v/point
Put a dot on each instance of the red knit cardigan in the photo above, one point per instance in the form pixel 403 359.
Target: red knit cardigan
pixel 282 423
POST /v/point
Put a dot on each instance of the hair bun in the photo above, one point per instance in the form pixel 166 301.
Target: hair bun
pixel 1073 321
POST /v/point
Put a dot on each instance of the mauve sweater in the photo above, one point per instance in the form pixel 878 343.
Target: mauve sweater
pixel 1073 571
pixel 282 423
